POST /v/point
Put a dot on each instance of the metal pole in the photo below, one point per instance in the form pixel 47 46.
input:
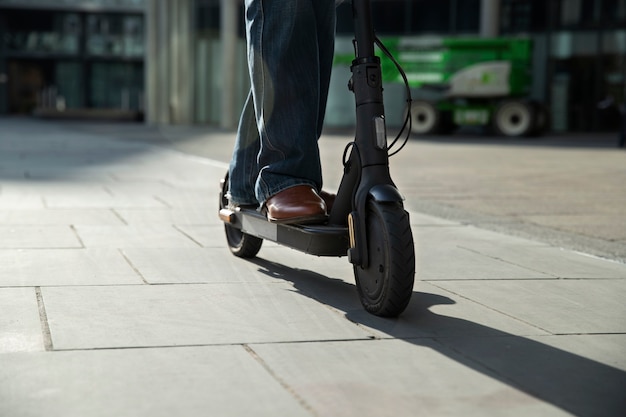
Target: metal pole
pixel 489 18
pixel 228 37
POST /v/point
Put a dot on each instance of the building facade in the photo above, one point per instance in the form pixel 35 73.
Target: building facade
pixel 69 56
pixel 578 70
pixel 91 54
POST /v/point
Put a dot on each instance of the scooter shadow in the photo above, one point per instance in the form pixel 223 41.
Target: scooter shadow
pixel 575 384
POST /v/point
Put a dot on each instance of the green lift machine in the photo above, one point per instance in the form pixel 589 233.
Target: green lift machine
pixel 467 82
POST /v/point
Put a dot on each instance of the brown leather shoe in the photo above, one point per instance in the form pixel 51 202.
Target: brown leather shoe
pixel 329 199
pixel 300 204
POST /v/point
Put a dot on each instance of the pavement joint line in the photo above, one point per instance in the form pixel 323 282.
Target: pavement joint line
pixel 208 345
pixel 554 278
pixel 162 201
pixel 130 263
pixel 119 216
pixel 504 260
pixel 82 244
pixel 187 235
pixel 491 308
pixel 257 358
pixel 43 320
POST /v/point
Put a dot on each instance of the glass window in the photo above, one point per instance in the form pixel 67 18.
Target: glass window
pixel 116 35
pixel 68 77
pixel 614 11
pixel 207 15
pixel 115 85
pixel 524 16
pixel 467 16
pixel 390 16
pixel 430 16
pixel 42 32
pixel 587 14
pixel 405 17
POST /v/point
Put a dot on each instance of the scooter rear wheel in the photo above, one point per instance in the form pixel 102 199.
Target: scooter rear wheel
pixel 240 244
pixel 385 286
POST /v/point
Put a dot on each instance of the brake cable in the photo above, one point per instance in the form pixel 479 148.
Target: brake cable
pixel 406 126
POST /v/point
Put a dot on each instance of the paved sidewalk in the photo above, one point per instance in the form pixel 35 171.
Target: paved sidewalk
pixel 120 298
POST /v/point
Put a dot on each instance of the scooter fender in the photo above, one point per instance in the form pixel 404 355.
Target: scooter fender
pixel 381 193
pixel 385 193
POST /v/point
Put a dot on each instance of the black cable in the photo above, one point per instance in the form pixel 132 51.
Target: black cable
pixel 407 120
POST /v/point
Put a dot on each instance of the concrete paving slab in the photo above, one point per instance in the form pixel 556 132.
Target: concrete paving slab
pixel 557 306
pixel 184 171
pixel 44 237
pixel 431 312
pixel 606 349
pixel 172 216
pixel 194 265
pixel 546 368
pixel 436 313
pixel 552 261
pixel 195 314
pixel 454 263
pixel 51 267
pixel 420 219
pixel 190 382
pixel 99 201
pixel 133 236
pixel 20 328
pixel 468 235
pixel 68 216
pixel 140 187
pixel 192 198
pixel 206 235
pixel 395 377
pixel 19 201
pixel 448 254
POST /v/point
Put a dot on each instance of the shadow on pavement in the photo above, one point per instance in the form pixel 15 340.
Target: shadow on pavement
pixel 576 384
pixel 39 150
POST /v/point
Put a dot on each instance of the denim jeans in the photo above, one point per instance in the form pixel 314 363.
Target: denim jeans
pixel 290 47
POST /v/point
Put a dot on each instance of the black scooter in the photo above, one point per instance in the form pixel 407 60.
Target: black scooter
pixel 367 221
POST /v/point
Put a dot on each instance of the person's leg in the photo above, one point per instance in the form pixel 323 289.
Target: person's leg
pixel 290 52
pixel 289 87
pixel 244 169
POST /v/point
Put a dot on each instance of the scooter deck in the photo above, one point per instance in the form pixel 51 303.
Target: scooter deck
pixel 320 240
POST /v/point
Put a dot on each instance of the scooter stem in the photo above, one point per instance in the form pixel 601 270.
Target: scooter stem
pixel 368 163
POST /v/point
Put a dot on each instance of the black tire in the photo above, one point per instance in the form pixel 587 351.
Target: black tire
pixel 426 119
pixel 386 285
pixel 515 118
pixel 240 244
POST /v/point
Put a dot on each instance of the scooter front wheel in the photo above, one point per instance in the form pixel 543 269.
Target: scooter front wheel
pixel 385 286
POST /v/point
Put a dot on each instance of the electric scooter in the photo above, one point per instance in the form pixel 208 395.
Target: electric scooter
pixel 367 221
